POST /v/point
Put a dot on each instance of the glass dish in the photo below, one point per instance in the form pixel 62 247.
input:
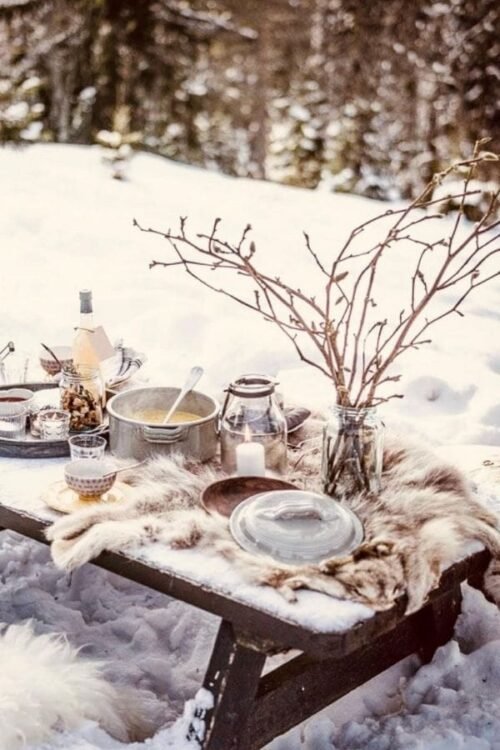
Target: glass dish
pixel 295 526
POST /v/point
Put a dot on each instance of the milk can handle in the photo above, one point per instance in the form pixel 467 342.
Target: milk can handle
pixel 218 424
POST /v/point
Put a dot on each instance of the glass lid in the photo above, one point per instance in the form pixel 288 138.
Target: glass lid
pixel 295 527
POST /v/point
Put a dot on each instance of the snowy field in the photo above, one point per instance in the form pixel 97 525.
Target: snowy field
pixel 66 225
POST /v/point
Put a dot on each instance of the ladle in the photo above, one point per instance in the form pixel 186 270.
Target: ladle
pixel 191 380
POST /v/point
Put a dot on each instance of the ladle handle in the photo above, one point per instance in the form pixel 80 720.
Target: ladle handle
pixel 191 380
pixel 8 349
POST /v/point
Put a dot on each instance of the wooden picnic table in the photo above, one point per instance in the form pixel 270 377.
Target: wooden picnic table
pixel 250 708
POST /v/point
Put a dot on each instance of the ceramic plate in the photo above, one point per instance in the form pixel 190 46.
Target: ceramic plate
pixel 225 495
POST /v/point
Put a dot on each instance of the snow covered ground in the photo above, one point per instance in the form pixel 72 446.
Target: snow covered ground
pixel 66 225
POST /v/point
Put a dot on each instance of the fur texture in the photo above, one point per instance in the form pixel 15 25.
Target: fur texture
pixel 418 524
pixel 44 686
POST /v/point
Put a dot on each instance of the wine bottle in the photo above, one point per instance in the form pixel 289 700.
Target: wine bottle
pixel 91 345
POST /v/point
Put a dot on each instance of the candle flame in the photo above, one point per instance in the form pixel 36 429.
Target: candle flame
pixel 248 434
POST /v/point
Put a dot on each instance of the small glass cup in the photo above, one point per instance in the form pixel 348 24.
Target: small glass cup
pixel 53 424
pixel 86 446
pixel 13 426
pixel 16 369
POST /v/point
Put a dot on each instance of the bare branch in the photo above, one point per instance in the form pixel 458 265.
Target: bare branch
pixel 333 329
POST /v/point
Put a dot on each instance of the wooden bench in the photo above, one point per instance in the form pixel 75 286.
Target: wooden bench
pixel 250 709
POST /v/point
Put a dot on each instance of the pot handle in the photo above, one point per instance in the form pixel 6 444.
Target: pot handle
pixel 165 435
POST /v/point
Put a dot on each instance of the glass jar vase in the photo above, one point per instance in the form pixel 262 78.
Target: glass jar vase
pixel 82 395
pixel 353 441
pixel 253 429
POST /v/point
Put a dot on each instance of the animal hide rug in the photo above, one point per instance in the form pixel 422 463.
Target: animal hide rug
pixel 420 522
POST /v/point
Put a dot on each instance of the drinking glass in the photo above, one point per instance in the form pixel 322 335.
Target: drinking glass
pixel 13 426
pixel 86 446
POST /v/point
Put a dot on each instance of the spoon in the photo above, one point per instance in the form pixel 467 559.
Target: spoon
pixel 117 471
pixel 191 380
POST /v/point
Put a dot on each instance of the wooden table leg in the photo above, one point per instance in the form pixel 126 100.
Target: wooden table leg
pixel 233 678
pixel 438 622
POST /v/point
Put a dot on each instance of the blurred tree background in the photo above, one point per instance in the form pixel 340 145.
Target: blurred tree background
pixel 364 97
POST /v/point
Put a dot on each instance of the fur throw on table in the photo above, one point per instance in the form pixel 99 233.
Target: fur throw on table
pixel 418 524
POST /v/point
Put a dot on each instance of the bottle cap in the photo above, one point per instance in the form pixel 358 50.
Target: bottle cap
pixel 85 301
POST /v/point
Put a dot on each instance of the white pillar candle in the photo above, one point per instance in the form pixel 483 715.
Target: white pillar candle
pixel 250 460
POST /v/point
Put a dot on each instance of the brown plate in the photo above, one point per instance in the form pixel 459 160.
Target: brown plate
pixel 223 496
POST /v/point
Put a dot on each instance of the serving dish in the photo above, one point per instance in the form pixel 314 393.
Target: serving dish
pixel 30 446
pixel 14 400
pixel 131 437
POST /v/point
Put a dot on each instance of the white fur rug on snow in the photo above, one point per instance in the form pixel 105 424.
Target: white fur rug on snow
pixel 46 686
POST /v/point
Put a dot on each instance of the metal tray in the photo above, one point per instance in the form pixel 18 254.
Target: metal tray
pixel 31 447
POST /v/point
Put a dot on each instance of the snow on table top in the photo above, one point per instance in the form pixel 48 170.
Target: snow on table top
pixel 23 482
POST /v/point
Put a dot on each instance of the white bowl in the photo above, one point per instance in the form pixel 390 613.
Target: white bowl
pixel 63 353
pixel 86 477
pixel 15 406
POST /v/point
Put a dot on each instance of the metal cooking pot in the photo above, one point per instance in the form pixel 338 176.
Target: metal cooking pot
pixel 132 438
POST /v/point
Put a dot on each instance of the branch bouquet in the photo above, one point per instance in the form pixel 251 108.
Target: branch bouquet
pixel 338 327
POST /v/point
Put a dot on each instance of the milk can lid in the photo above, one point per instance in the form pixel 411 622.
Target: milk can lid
pixel 252 386
pixel 295 526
